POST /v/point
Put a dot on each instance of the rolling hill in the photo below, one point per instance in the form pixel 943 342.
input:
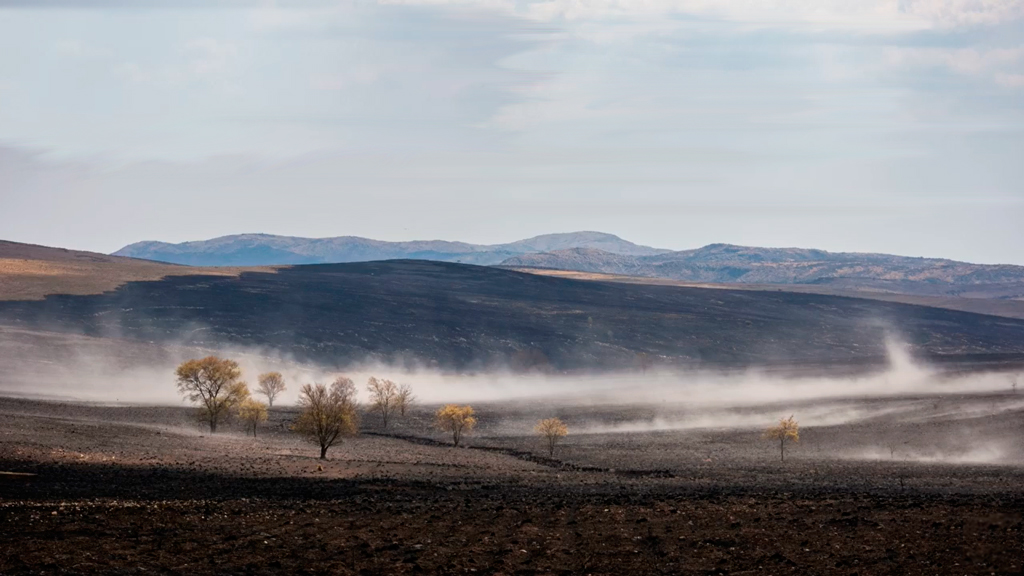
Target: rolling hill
pixel 31 272
pixel 266 249
pixel 464 317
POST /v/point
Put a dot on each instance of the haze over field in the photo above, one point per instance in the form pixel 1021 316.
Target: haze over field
pixel 115 370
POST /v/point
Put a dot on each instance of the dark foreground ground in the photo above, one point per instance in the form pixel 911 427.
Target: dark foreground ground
pixel 141 491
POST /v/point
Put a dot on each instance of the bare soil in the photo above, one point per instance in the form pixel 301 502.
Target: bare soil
pixel 137 489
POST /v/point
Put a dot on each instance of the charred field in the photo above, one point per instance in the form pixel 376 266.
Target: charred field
pixel 909 462
pixel 462 317
pixel 124 489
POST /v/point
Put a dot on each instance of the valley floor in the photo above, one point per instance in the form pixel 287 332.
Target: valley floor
pixel 143 490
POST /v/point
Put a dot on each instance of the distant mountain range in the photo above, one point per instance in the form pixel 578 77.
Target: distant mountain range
pixel 266 249
pixel 597 252
pixel 728 264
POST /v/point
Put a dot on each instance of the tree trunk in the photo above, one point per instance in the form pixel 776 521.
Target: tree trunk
pixel 323 452
pixel 213 425
pixel 782 449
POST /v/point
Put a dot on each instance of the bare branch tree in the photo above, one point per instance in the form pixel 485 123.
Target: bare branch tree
pixel 405 399
pixel 271 384
pixel 328 415
pixel 384 397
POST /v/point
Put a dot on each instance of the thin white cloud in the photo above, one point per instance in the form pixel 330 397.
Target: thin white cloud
pixel 209 55
pixel 873 125
pixel 1010 80
pixel 1000 65
pixel 880 15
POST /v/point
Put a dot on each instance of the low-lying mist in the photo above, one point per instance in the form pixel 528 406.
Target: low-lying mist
pixel 110 370
pixel 54 365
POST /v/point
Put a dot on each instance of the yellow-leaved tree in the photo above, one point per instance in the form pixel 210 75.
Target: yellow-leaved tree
pixel 212 383
pixel 252 412
pixel 328 415
pixel 787 429
pixel 552 430
pixel 458 420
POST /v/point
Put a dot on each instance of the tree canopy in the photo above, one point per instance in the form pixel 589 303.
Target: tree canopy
pixel 328 415
pixel 458 420
pixel 271 384
pixel 787 429
pixel 213 383
pixel 552 430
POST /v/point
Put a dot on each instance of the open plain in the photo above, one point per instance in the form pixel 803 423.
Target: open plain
pixel 910 459
pixel 929 484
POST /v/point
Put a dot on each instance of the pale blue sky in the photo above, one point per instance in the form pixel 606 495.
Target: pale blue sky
pixel 888 126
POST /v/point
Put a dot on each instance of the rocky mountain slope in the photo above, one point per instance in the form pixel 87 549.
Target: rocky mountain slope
pixel 266 249
pixel 725 263
pixel 597 252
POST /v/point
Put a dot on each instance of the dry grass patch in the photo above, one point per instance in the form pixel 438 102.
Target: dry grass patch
pixel 22 279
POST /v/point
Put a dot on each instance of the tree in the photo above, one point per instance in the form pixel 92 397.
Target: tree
pixel 213 383
pixel 551 430
pixel 328 415
pixel 787 429
pixel 252 412
pixel 405 399
pixel 271 384
pixel 384 397
pixel 456 419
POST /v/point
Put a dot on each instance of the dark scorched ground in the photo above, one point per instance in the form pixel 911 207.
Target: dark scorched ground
pixel 465 317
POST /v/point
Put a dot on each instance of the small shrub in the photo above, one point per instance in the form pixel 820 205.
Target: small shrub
pixel 252 412
pixel 552 430
pixel 787 429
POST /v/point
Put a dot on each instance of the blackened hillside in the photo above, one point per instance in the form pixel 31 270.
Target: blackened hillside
pixel 462 316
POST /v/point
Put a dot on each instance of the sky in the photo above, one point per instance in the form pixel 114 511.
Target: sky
pixel 857 125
